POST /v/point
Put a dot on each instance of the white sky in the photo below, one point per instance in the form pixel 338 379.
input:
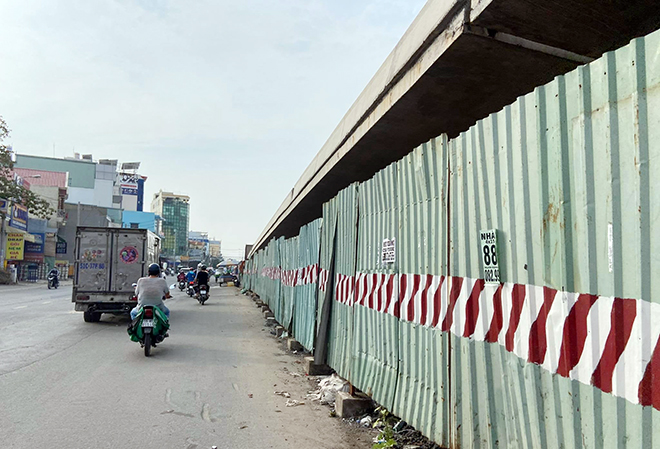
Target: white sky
pixel 225 101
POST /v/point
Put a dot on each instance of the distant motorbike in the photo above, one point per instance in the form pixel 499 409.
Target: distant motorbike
pixel 53 281
pixel 182 285
pixel 191 289
pixel 149 328
pixel 203 294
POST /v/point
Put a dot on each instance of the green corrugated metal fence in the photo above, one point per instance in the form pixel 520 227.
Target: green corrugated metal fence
pixel 304 313
pixel 563 352
pixel 376 349
pixel 340 340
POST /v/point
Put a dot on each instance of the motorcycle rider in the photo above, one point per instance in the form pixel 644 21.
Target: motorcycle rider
pixel 202 278
pixel 190 276
pixel 55 273
pixel 151 290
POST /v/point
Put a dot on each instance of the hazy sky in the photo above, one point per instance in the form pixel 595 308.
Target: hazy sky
pixel 225 101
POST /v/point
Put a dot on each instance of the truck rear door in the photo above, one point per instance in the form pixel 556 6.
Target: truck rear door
pixel 92 261
pixel 129 260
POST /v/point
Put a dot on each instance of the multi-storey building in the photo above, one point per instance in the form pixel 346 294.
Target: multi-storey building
pixel 88 182
pixel 175 212
pixel 215 248
pixel 198 245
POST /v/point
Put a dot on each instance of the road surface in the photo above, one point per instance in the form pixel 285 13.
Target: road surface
pixel 65 383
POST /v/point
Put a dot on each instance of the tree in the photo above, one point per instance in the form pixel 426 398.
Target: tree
pixel 9 190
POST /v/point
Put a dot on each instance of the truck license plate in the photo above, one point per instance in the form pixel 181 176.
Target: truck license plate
pixel 147 323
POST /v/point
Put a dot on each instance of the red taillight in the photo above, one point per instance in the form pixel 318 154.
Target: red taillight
pixel 148 313
pixel 82 297
pixel 133 298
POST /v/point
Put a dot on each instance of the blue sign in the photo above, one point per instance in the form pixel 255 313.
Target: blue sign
pixel 19 217
pixel 60 247
pixel 36 247
pixel 3 205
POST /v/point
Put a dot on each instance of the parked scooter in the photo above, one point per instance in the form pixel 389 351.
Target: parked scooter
pixel 149 328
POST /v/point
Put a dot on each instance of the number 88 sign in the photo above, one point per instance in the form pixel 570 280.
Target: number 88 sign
pixel 489 256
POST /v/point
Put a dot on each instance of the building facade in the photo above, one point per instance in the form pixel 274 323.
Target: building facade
pixel 52 187
pixel 88 182
pixel 198 245
pixel 175 212
pixel 140 220
pixel 215 248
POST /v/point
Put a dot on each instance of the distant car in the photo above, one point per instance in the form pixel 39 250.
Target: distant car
pixel 226 278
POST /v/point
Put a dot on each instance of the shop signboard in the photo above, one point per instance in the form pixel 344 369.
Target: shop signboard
pixel 19 217
pixel 36 247
pixel 61 246
pixel 15 246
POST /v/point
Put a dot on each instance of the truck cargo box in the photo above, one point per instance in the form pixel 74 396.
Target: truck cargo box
pixel 107 263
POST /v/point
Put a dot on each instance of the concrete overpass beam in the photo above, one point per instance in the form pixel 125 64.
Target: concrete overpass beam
pixel 510 39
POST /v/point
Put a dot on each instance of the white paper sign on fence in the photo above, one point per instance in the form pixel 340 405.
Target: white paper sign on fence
pixel 389 251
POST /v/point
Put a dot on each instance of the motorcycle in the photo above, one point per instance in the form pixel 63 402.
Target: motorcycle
pixel 149 328
pixel 53 281
pixel 182 285
pixel 191 289
pixel 203 294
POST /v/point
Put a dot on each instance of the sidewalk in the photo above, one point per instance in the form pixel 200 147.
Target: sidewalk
pixel 41 283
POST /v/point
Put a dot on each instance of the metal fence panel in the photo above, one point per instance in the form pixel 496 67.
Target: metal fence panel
pixel 563 174
pixel 304 313
pixel 340 342
pixel 422 388
pixel 289 264
pixel 375 356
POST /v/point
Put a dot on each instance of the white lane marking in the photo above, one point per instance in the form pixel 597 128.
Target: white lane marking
pixel 20 307
pixel 46 302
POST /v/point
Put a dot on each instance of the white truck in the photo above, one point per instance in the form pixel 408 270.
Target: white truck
pixel 107 263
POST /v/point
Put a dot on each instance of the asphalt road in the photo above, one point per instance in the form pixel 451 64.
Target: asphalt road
pixel 65 383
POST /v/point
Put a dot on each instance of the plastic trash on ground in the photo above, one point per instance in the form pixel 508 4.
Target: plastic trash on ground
pixel 328 389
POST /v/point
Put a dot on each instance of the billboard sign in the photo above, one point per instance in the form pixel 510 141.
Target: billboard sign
pixel 128 183
pixel 19 217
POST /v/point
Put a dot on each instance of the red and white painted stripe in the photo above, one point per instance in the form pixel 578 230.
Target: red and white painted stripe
pixel 323 279
pixel 345 289
pixel 295 277
pixel 308 275
pixel 610 343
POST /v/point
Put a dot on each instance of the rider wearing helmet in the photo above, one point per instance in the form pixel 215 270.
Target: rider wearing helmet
pixel 202 278
pixel 151 290
pixel 181 276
